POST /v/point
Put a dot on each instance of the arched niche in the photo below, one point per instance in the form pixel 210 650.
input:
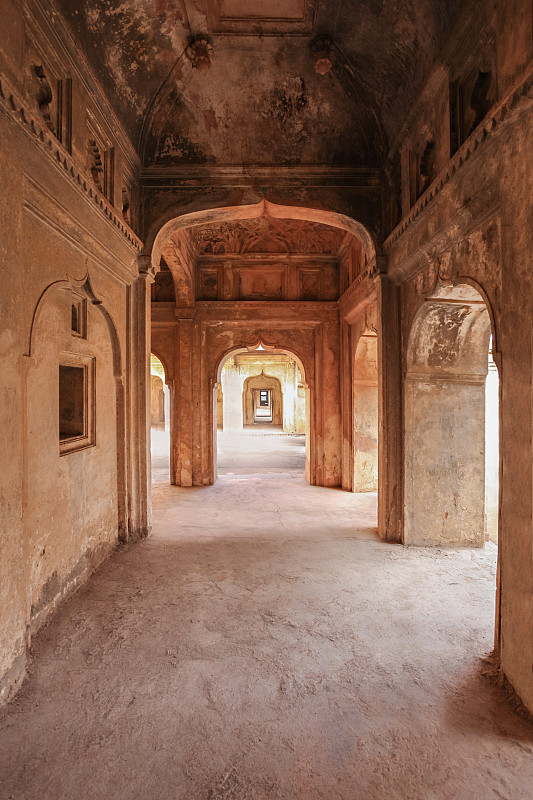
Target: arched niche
pixel 444 419
pixel 75 484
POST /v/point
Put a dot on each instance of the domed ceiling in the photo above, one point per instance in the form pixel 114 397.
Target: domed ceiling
pixel 261 102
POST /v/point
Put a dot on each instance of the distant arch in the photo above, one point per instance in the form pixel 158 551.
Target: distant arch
pixel 257 382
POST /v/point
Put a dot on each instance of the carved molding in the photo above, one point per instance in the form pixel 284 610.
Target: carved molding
pixel 359 294
pixel 46 208
pixel 18 110
pixel 518 98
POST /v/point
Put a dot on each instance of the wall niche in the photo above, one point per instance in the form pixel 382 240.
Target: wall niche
pixel 76 404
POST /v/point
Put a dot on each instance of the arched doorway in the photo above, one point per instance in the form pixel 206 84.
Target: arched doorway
pixel 262 399
pixel 243 274
pixel 445 488
pixel 261 390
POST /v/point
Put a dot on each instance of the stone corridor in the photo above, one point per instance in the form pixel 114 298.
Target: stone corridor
pixel 264 644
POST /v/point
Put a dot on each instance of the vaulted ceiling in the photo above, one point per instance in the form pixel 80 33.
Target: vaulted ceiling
pixel 262 101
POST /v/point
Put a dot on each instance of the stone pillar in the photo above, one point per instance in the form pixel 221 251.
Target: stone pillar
pixel 390 412
pixel 232 388
pixel 347 405
pixel 515 360
pixel 140 520
pixel 328 405
pixel 365 415
pixel 182 443
pixel 289 390
pixel 166 392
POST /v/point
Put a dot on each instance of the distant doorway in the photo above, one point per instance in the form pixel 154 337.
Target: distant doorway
pixel 261 413
pixel 262 399
pixel 262 402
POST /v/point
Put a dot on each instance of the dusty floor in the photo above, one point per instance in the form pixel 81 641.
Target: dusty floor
pixel 264 644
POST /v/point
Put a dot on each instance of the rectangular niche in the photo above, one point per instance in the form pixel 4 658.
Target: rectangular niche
pixel 76 403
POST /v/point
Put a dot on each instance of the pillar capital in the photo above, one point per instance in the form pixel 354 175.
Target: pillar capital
pixel 146 270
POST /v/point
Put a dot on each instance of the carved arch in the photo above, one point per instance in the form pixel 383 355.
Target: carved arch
pixel 262 208
pixel 251 346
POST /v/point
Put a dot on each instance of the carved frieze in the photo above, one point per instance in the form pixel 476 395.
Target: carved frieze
pixel 267 235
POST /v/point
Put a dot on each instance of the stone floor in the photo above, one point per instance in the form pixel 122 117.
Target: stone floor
pixel 263 643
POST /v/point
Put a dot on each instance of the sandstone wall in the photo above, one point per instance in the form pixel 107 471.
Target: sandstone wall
pixel 64 242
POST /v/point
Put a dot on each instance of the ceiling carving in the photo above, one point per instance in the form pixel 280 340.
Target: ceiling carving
pixel 267 235
pixel 261 102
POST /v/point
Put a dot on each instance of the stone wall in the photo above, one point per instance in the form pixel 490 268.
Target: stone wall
pixel 66 242
pixel 469 227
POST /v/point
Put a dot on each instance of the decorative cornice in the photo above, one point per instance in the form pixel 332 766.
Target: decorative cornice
pixel 259 175
pixel 18 111
pixel 503 112
pixel 359 291
pixel 274 312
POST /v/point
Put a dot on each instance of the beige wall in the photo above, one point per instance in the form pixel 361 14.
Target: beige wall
pixel 60 515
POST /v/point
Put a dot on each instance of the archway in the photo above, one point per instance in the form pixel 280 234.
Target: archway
pixel 365 414
pixel 245 375
pixel 243 274
pixel 262 399
pixel 445 420
pixel 160 421
pixel 161 234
